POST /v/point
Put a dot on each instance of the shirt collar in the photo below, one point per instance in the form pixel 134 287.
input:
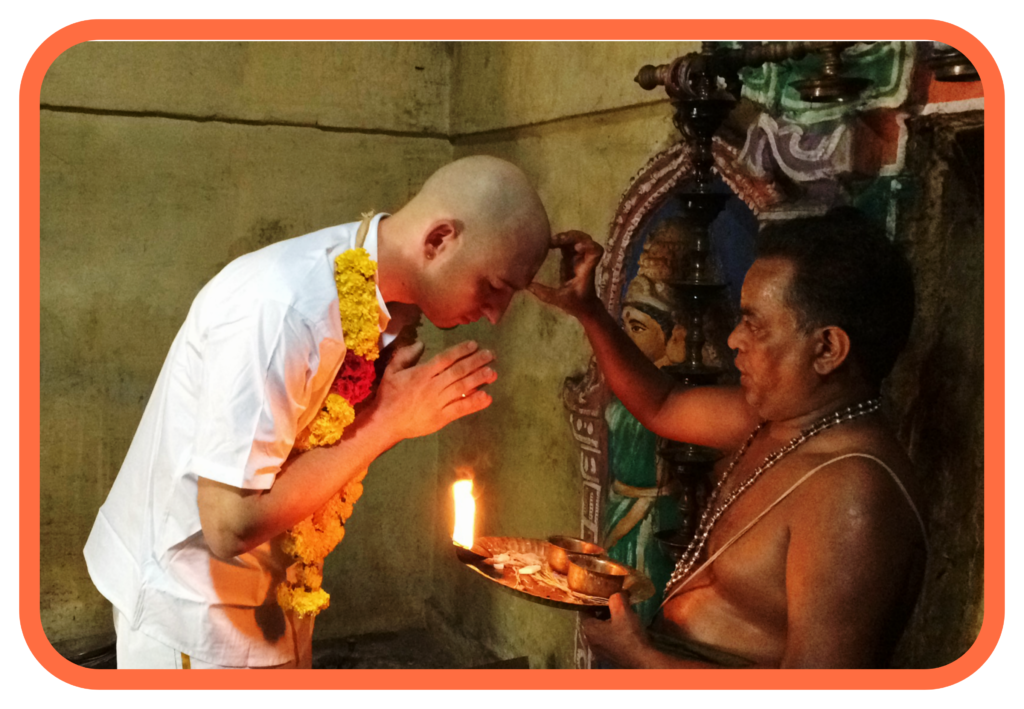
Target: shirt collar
pixel 371 247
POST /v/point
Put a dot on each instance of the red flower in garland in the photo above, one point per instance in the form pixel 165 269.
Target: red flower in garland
pixel 355 378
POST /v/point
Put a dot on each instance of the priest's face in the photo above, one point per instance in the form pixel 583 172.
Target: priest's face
pixel 774 353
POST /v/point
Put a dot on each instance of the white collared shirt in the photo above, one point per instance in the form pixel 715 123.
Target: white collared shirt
pixel 246 372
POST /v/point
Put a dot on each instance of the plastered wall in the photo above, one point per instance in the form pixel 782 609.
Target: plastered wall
pixel 937 387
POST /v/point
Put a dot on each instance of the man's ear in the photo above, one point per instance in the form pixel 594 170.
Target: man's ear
pixel 832 349
pixel 440 237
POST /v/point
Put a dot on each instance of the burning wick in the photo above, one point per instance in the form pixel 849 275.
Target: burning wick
pixel 465 511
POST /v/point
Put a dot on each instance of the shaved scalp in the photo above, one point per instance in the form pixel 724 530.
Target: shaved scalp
pixel 475 233
pixel 490 197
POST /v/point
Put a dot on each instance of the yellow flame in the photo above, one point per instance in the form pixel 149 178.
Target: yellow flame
pixel 465 511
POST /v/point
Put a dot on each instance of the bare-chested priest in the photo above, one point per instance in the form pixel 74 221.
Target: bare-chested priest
pixel 810 552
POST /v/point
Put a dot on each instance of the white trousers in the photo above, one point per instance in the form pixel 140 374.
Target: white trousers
pixel 138 651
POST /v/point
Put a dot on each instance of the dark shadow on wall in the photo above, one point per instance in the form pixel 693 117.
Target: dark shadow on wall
pixel 937 388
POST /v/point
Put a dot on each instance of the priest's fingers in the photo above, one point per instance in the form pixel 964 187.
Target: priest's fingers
pixel 593 629
pixel 443 360
pixel 568 237
pixel 618 604
pixel 545 294
pixel 588 255
pixel 578 249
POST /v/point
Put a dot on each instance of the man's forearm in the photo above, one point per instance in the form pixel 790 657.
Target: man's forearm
pixel 412 400
pixel 714 416
pixel 235 521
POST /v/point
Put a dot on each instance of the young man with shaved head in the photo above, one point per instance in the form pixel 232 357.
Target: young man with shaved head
pixel 187 546
pixel 810 550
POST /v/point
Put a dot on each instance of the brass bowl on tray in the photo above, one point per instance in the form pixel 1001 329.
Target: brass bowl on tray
pixel 596 577
pixel 537 587
pixel 559 547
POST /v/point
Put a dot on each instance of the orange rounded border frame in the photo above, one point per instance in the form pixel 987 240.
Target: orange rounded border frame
pixel 510 30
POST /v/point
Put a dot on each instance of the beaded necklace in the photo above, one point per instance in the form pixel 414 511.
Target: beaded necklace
pixel 712 514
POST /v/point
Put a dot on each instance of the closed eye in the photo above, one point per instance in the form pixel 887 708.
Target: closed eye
pixel 500 289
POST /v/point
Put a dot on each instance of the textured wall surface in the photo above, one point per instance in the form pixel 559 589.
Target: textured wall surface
pixel 374 86
pixel 142 203
pixel 497 85
pixel 937 387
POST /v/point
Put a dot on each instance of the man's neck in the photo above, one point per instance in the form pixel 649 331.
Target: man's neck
pixel 827 402
pixel 392 272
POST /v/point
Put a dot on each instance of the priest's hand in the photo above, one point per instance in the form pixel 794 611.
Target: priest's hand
pixel 621 639
pixel 575 293
pixel 418 399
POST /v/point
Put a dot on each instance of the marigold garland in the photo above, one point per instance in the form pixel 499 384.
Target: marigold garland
pixel 335 414
pixel 312 539
pixel 357 299
pixel 355 380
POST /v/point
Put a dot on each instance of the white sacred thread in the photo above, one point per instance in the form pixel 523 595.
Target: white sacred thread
pixel 709 518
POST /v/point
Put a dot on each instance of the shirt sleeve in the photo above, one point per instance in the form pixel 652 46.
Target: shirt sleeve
pixel 256 379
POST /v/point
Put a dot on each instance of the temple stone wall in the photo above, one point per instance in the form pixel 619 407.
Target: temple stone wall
pixel 500 85
pixel 937 388
pixel 373 86
pixel 144 199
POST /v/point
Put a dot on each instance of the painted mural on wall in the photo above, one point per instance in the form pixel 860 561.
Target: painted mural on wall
pixel 781 158
pixel 629 493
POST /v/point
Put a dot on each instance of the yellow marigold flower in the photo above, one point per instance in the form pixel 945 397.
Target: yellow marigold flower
pixel 357 300
pixel 353 491
pixel 310 545
pixel 331 510
pixel 301 601
pixel 328 426
pixel 304 528
pixel 309 575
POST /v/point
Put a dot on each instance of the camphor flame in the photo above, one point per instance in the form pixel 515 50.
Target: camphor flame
pixel 465 512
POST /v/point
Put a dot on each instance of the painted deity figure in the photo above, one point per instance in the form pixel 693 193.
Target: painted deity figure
pixel 639 501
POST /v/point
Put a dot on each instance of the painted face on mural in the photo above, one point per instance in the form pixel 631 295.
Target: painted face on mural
pixel 647 317
pixel 645 332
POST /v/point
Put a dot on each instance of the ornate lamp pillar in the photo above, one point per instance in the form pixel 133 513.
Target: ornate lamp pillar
pixel 704 88
pixel 701 105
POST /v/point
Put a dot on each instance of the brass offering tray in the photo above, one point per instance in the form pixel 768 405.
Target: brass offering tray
pixel 537 586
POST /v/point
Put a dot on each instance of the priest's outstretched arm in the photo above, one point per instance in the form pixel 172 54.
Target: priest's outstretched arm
pixel 717 417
